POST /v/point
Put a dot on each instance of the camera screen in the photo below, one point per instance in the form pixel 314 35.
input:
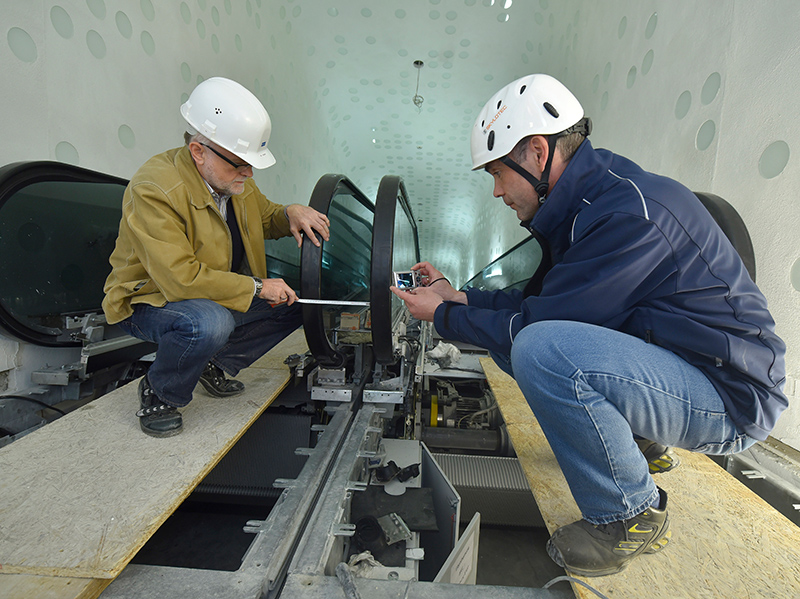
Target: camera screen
pixel 406 280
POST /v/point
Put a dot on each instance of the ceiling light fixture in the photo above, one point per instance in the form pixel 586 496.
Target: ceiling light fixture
pixel 417 99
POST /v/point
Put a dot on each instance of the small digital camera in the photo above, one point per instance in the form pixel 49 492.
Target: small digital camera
pixel 406 279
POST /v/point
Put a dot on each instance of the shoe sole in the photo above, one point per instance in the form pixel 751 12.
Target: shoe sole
pixel 658 465
pixel 161 434
pixel 658 545
pixel 211 390
pixel 655 547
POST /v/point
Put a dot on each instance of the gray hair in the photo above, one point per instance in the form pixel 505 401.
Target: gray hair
pixel 566 145
pixel 190 136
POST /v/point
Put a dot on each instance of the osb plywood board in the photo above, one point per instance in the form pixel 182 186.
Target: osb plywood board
pixel 726 541
pixel 79 497
pixel 27 586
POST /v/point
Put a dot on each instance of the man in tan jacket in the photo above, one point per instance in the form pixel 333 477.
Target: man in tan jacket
pixel 189 268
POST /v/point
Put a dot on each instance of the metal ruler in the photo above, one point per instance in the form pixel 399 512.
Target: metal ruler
pixel 332 302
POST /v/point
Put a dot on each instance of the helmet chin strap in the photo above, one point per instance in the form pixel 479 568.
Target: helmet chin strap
pixel 542 186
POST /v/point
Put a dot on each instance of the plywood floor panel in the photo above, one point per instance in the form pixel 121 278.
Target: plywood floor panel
pixel 79 497
pixel 28 586
pixel 726 541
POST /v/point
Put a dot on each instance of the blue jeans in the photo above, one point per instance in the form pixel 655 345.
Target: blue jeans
pixel 192 333
pixel 592 389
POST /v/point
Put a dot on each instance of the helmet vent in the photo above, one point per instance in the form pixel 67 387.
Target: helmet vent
pixel 549 108
pixel 499 104
pixel 490 141
pixel 218 111
pixel 522 89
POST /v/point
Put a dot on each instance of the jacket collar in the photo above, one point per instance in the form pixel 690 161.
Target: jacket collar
pixel 577 183
pixel 199 195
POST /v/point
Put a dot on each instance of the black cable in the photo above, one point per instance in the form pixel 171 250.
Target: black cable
pixel 410 340
pixel 32 400
pixel 414 344
pixel 462 369
pixel 439 279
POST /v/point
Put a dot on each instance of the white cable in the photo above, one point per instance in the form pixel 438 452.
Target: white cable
pixel 571 579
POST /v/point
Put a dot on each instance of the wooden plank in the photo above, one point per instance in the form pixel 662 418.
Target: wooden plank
pixel 27 586
pixel 79 497
pixel 726 541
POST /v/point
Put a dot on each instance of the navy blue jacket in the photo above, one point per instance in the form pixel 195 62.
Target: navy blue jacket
pixel 638 253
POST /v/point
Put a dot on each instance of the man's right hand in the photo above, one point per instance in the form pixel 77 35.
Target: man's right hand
pixel 434 279
pixel 276 291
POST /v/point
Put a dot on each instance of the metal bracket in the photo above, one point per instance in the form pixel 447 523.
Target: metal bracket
pixel 284 483
pixel 394 528
pixel 356 485
pixel 344 529
pixel 253 526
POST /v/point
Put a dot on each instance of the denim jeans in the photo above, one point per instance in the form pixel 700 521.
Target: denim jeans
pixel 192 333
pixel 592 389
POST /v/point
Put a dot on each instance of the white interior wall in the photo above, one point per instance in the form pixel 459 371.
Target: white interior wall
pixel 97 83
pixel 736 137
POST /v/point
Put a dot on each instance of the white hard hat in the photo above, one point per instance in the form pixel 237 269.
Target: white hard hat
pixel 532 105
pixel 232 117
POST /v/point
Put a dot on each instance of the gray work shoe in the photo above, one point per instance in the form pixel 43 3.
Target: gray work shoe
pixel 214 382
pixel 156 418
pixel 597 550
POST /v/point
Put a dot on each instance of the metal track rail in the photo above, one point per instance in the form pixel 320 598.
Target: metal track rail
pixel 264 565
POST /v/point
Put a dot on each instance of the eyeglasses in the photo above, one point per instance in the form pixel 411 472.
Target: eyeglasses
pixel 235 165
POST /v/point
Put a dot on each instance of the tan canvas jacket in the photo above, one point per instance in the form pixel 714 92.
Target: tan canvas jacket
pixel 173 244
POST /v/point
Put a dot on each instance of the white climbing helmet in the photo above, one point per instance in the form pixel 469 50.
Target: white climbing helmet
pixel 532 105
pixel 233 118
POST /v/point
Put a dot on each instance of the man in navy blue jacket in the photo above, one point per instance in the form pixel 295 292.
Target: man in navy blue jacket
pixel 641 321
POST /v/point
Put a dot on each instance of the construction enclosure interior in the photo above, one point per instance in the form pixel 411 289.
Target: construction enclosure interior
pixel 365 438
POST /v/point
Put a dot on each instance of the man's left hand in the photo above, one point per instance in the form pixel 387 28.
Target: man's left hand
pixel 421 302
pixel 304 219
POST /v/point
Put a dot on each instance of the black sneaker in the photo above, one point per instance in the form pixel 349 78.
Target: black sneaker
pixel 214 381
pixel 660 458
pixel 589 550
pixel 156 418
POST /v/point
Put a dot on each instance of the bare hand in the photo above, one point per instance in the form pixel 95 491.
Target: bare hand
pixel 304 219
pixel 276 291
pixel 427 270
pixel 438 282
pixel 421 302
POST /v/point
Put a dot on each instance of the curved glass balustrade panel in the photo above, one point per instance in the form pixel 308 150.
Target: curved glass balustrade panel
pixel 510 271
pixel 58 226
pixel 346 258
pixel 283 260
pixel 340 269
pixel 367 244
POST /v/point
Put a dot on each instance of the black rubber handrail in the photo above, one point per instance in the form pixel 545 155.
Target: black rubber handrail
pixel 14 178
pixel 391 193
pixel 328 187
